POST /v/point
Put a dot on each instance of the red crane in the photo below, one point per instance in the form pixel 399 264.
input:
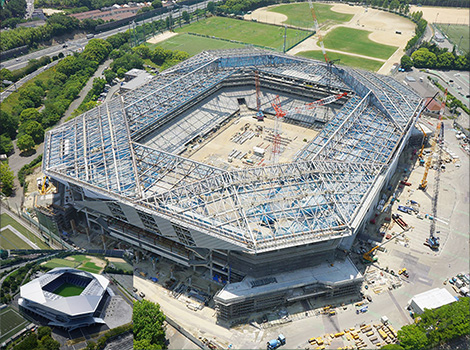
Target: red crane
pixel 277 129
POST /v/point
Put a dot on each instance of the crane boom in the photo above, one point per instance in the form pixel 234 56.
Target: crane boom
pixel 424 182
pixel 320 38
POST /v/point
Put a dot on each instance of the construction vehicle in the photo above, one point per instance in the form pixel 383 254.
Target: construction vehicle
pixel 362 310
pixel 45 185
pixel 276 343
pixel 367 256
pixel 397 218
pixel 432 242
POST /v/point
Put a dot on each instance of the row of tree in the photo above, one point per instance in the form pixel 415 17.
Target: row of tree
pixel 429 55
pixel 89 4
pixel 149 333
pixel 32 66
pixel 41 340
pixel 437 326
pixel 56 25
pixel 421 25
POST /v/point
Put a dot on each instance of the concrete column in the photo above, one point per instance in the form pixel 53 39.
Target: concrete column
pixel 87 230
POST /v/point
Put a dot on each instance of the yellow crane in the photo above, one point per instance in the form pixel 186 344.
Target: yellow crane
pixel 424 181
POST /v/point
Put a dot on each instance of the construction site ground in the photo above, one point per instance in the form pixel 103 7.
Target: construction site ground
pixel 216 150
pixel 389 293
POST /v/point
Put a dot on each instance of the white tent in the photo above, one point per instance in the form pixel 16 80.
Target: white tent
pixel 431 299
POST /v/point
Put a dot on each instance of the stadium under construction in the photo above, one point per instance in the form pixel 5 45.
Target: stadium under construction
pixel 225 164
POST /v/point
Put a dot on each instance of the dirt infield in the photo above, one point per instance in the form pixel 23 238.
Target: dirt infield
pixel 452 15
pixel 161 37
pixel 113 259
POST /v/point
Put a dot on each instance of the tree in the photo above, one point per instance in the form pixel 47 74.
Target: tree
pixel 412 338
pixel 33 129
pixel 120 72
pixel 25 143
pixel 392 347
pixel 156 4
pixel 446 60
pixel 30 114
pixel 43 331
pixel 5 74
pixel 6 179
pixel 148 323
pixel 143 51
pixel 211 7
pixel 423 58
pixel 6 146
pixel 406 62
pixel 394 5
pixel 109 75
pixel 145 344
pixel 9 123
pixel 186 16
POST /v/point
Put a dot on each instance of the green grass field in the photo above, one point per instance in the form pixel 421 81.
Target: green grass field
pixel 356 41
pixel 80 258
pixel 68 290
pixel 8 220
pixel 11 322
pixel 194 44
pixel 90 267
pixel 244 31
pixel 346 60
pixel 299 14
pixel 59 263
pixel 9 240
pixel 457 34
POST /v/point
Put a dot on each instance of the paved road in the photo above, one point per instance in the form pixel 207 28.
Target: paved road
pixel 7 92
pixel 80 42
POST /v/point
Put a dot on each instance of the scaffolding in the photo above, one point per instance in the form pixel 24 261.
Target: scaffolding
pixel 127 149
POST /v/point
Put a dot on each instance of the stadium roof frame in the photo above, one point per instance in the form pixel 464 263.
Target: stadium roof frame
pixel 99 151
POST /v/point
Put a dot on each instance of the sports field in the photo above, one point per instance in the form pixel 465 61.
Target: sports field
pixel 193 44
pixel 59 263
pixel 457 34
pixel 10 240
pixel 82 262
pixel 90 267
pixel 68 290
pixel 11 322
pixel 347 60
pixel 361 44
pixel 299 14
pixel 245 31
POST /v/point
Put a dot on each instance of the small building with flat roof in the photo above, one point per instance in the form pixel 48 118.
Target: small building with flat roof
pixel 431 299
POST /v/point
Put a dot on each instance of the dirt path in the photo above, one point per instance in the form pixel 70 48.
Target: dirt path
pixel 161 37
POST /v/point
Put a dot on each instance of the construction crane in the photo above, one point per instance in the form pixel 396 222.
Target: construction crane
pixel 320 38
pixel 433 240
pixel 424 182
pixel 368 255
pixel 420 154
pixel 259 112
pixel 277 129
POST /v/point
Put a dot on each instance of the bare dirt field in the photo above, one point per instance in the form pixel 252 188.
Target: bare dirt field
pixel 216 151
pixel 161 37
pixel 452 15
pixel 113 259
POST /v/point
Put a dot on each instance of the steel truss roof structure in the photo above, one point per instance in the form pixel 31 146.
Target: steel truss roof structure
pixel 316 197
